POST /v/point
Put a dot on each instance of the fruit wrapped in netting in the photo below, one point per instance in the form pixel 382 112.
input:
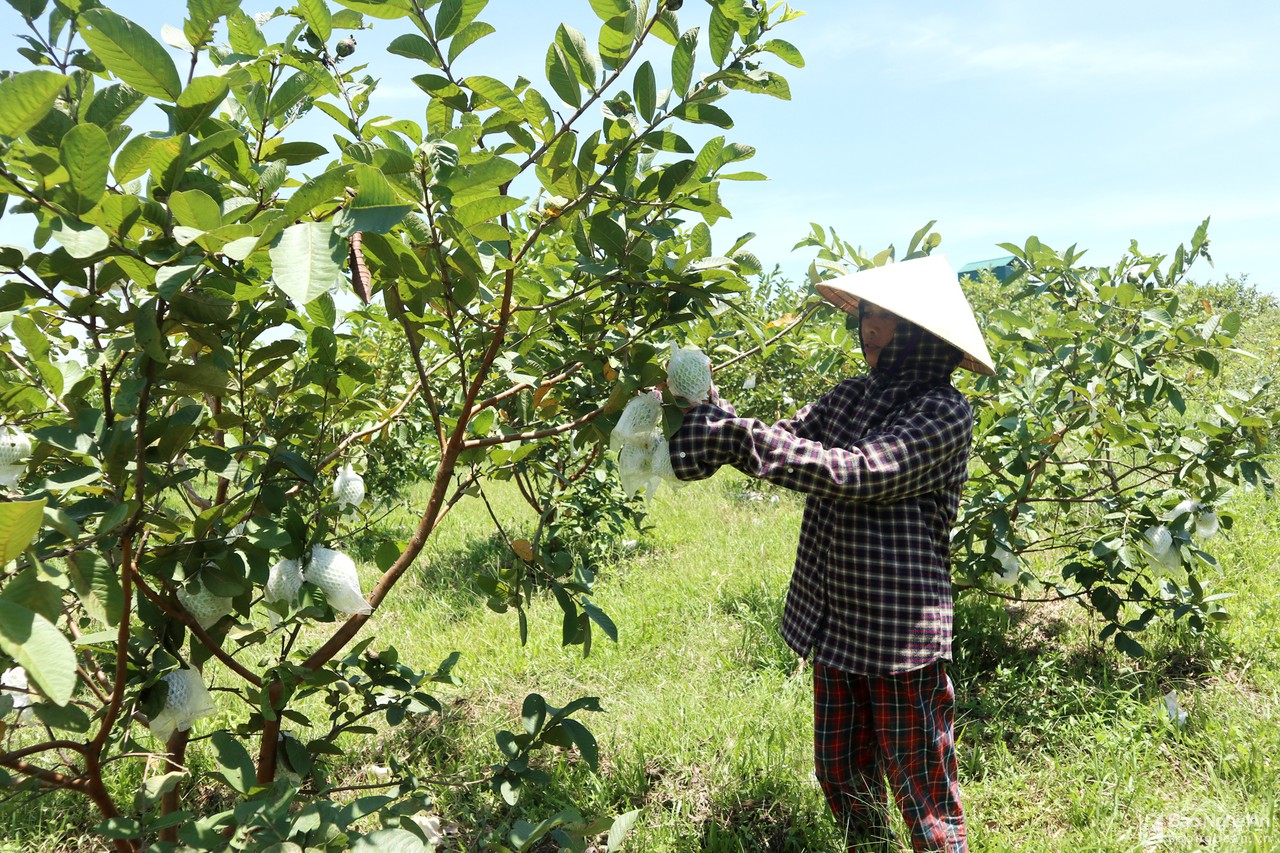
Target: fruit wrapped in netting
pixel 646 464
pixel 635 467
pixel 203 604
pixel 13 683
pixel 15 447
pixel 348 488
pixel 689 374
pixel 1162 553
pixel 660 463
pixel 1009 571
pixel 186 700
pixel 283 583
pixel 335 574
pixel 1204 520
pixel 638 420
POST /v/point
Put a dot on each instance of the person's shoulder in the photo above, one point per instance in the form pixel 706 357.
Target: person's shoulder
pixel 944 400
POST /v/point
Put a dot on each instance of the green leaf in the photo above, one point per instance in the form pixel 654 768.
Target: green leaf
pixel 497 93
pixel 583 61
pixel 326 187
pixel 112 106
pixel 86 155
pixel 456 14
pixel 533 714
pixel 485 209
pixel 666 140
pixel 197 102
pixel 80 240
pixel 561 77
pixel 646 91
pixel 607 9
pixel 70 718
pixel 299 153
pixel 389 841
pixel 317 15
pixel 19 523
pixel 785 51
pixel 97 585
pixel 703 114
pixel 195 209
pixel 617 36
pixel 621 828
pixel 584 740
pixel 386 10
pixel 40 648
pixel 376 208
pixel 235 765
pixel 479 178
pixel 682 59
pixel 306 260
pixel 131 53
pixel 721 32
pixel 202 16
pixel 467 36
pixel 414 46
pixel 26 98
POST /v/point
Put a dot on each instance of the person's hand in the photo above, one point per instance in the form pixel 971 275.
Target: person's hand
pixel 663 389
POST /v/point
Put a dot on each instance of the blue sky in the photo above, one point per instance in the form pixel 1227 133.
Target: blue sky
pixel 1091 123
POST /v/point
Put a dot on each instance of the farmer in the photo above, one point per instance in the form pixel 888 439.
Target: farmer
pixel 882 459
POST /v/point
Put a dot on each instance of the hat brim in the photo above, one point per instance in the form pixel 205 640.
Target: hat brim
pixel 923 291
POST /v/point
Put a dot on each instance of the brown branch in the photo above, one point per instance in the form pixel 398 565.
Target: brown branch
pixel 525 386
pixel 206 639
pixel 536 434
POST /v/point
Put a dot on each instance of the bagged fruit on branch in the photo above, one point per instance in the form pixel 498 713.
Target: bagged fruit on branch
pixel 335 574
pixel 186 700
pixel 203 604
pixel 635 468
pixel 348 488
pixel 689 374
pixel 638 420
pixel 283 583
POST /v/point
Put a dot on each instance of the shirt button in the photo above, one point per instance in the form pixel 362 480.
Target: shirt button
pixel 790 470
pixel 683 454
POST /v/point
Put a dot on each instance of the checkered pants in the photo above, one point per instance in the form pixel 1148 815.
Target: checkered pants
pixel 900 725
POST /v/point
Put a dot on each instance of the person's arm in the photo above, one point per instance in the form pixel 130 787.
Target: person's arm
pixel 910 458
pixel 698 451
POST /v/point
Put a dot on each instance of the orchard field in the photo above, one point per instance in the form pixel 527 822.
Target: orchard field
pixel 311 530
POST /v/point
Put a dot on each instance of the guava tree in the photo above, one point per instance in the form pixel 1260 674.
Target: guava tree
pixel 200 337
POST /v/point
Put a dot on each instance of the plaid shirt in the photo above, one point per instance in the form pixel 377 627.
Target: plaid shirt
pixel 882 459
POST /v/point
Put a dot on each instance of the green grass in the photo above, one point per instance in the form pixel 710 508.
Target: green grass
pixel 706 722
pixel 706 727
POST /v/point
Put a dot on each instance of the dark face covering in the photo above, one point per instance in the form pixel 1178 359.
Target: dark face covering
pixel 911 363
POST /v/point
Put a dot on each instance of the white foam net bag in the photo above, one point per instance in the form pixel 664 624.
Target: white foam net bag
pixel 660 463
pixel 1008 573
pixel 1158 547
pixel 186 701
pixel 204 605
pixel 283 583
pixel 15 445
pixel 11 474
pixel 638 421
pixel 335 574
pixel 348 487
pixel 14 683
pixel 689 374
pixel 635 468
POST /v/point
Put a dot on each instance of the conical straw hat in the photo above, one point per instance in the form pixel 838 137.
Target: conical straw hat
pixel 925 291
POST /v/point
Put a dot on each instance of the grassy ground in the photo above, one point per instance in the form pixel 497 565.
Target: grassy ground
pixel 706 724
pixel 1064 746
